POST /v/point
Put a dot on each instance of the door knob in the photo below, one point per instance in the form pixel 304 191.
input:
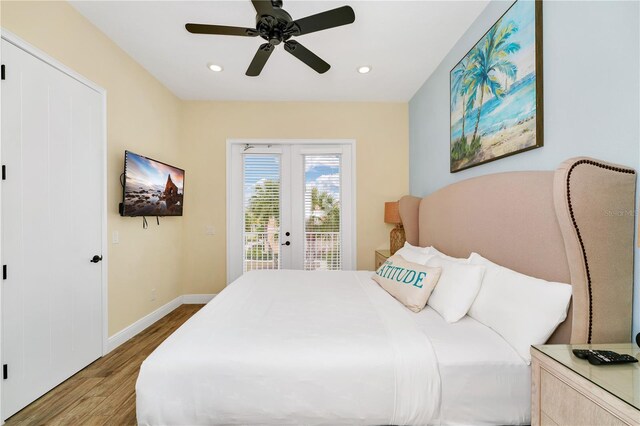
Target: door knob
pixel 96 259
pixel 287 243
pixel 287 233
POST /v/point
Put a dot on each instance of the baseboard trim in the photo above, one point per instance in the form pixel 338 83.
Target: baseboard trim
pixel 197 299
pixel 140 325
pixel 143 323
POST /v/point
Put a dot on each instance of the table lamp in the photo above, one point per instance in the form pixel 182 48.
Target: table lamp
pixel 392 215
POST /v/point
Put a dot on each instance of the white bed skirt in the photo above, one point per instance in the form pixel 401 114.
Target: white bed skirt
pixel 293 347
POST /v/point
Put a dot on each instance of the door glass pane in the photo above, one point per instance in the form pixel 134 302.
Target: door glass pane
pixel 261 186
pixel 322 212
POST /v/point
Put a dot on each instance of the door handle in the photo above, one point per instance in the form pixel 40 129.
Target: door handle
pixel 96 259
pixel 286 243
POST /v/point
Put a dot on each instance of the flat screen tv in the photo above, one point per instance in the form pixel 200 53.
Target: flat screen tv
pixel 151 188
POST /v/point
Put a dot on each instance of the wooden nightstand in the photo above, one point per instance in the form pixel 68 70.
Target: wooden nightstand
pixel 568 390
pixel 381 257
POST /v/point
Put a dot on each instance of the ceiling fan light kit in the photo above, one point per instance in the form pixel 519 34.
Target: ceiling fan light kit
pixel 276 26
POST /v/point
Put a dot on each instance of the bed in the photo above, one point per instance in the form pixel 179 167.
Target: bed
pixel 295 347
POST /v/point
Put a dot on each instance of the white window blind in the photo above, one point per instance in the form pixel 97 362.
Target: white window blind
pixel 322 185
pixel 261 186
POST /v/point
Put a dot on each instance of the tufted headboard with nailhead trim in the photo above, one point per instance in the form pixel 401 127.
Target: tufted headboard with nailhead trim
pixel 574 225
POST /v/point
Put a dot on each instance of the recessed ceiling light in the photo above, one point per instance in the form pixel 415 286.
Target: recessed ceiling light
pixel 364 69
pixel 214 67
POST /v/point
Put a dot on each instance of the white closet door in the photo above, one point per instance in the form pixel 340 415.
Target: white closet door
pixel 52 130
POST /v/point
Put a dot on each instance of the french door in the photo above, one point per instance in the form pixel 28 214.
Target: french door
pixel 290 206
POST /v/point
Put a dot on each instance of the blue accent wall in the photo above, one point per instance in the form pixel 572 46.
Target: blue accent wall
pixel 591 98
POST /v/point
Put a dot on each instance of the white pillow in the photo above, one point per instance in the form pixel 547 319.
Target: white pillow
pixel 414 254
pixel 457 288
pixel 524 310
pixel 415 248
pixel 432 251
pixel 421 255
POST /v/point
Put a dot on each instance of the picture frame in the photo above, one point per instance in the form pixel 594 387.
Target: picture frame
pixel 496 91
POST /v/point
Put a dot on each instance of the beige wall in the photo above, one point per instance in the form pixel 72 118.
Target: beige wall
pixel 143 116
pixel 381 134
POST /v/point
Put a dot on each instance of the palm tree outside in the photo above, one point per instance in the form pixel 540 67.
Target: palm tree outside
pixel 262 224
pixel 321 229
pixel 263 205
pixel 325 212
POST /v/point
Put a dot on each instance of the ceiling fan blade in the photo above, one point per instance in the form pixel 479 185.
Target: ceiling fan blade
pixel 221 30
pixel 260 58
pixel 330 19
pixel 306 56
pixel 263 7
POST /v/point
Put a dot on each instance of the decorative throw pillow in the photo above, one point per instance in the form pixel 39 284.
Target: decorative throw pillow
pixel 457 289
pixel 524 310
pixel 408 282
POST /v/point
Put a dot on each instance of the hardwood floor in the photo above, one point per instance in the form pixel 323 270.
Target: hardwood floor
pixel 104 392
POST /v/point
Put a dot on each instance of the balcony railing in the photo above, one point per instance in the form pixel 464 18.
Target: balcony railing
pixel 322 251
pixel 261 250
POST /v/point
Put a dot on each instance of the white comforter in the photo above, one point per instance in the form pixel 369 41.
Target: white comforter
pixel 293 347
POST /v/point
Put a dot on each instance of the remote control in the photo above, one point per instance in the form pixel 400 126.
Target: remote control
pixel 609 357
pixel 582 353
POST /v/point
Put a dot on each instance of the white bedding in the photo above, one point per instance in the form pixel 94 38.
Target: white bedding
pixel 484 380
pixel 293 347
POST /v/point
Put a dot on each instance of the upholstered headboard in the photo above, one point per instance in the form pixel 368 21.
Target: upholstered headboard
pixel 573 225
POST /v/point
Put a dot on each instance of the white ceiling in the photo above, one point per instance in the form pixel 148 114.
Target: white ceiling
pixel 403 41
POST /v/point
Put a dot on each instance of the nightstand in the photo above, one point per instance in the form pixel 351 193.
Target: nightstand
pixel 381 257
pixel 568 390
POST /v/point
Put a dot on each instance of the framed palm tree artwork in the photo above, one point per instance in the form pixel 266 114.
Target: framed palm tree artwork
pixel 496 91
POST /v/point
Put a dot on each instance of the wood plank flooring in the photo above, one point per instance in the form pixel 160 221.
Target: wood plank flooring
pixel 104 392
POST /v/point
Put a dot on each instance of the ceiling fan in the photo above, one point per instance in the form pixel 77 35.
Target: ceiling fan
pixel 276 26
